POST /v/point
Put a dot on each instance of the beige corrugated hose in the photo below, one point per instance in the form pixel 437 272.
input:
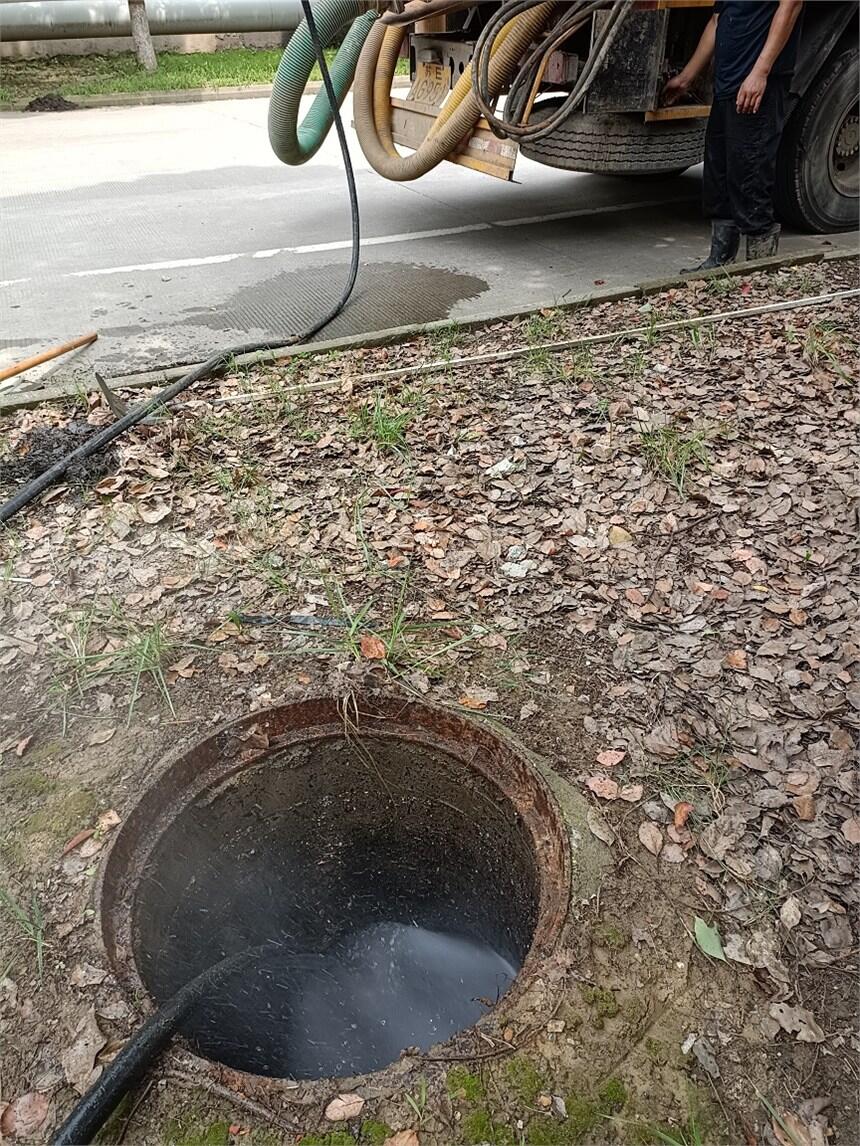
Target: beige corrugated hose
pixel 372 94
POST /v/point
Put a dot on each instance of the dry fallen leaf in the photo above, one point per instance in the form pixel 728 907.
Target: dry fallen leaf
pixel 154 511
pixel 804 806
pixel 373 648
pixel 789 913
pixel 90 847
pixel 788 1130
pixel 78 839
pixel 344 1107
pixel 631 793
pixel 673 853
pixel 78 1060
pixel 402 1138
pixel 651 837
pixel 610 757
pixel 736 659
pixel 798 1022
pixel 603 787
pixel 100 736
pixel 851 830
pixel 618 536
pixel 598 826
pixel 477 698
pixel 108 820
pixel 23 1116
pixel 681 813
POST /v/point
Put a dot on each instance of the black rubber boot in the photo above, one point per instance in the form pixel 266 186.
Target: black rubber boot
pixel 725 240
pixel 763 246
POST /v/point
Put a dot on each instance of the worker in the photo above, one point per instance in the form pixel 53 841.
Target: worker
pixel 754 45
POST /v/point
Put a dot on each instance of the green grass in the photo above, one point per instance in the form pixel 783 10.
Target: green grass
pixel 382 424
pixel 132 652
pixel 30 923
pixel 70 76
pixel 672 452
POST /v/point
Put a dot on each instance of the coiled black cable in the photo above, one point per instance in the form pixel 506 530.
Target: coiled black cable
pixel 216 364
pixel 515 120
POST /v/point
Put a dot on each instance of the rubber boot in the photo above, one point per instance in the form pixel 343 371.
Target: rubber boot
pixel 763 246
pixel 725 240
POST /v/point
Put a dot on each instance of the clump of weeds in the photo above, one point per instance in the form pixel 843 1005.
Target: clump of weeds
pixel 96 649
pixel 30 923
pixel 383 424
pixel 671 452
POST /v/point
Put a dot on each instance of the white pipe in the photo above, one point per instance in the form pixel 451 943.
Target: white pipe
pixel 81 19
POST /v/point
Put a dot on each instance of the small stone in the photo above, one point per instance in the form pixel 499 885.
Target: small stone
pixel 544 1101
pixel 555 1026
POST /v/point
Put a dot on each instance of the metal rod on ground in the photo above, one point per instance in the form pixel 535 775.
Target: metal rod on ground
pixel 47 355
pixel 550 347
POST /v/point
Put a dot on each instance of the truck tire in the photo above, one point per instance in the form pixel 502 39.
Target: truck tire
pixel 817 175
pixel 620 145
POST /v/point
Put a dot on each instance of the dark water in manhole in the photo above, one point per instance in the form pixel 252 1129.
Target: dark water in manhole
pixel 399 884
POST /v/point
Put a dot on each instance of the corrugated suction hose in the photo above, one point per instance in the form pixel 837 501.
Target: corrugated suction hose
pixel 293 142
pixel 372 95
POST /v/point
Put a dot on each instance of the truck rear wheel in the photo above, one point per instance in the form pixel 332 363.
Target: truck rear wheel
pixel 620 145
pixel 818 174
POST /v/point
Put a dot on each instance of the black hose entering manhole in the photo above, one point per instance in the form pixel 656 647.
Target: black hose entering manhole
pixel 394 878
pixel 402 896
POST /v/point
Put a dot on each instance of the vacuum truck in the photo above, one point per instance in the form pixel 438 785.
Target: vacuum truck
pixel 572 85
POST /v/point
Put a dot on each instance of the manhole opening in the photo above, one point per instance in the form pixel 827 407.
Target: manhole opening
pixel 400 884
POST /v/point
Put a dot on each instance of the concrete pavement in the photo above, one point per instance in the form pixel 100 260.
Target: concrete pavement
pixel 174 231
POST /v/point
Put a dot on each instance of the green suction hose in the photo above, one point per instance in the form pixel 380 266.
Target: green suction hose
pixel 295 143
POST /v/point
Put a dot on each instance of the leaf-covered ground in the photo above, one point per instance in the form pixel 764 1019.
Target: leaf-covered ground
pixel 640 555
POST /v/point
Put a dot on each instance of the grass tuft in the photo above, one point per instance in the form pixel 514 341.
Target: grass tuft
pixel 30 923
pixel 383 425
pixel 672 452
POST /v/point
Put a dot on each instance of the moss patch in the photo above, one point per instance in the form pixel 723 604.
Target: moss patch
pixel 464 1085
pixel 333 1138
pixel 612 1096
pixel 26 782
pixel 524 1079
pixel 63 816
pixel 603 1000
pixel 179 1133
pixel 375 1133
pixel 479 1127
pixel 611 935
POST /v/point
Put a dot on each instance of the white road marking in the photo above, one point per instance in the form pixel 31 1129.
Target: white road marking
pixel 373 241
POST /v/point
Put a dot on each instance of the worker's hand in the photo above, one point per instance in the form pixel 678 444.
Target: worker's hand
pixel 751 92
pixel 674 90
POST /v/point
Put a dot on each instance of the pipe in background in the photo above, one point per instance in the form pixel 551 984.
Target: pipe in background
pixel 83 19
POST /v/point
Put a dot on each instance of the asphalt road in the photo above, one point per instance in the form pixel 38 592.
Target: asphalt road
pixel 173 231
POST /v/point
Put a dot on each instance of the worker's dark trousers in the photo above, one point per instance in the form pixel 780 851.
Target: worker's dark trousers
pixel 740 160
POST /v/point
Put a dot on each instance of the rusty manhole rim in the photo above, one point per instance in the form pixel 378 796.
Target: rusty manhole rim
pixel 249 741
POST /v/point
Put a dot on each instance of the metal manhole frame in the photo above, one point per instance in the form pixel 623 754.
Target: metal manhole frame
pixel 187 772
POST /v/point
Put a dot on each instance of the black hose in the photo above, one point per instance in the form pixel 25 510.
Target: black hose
pixel 135 1058
pixel 217 362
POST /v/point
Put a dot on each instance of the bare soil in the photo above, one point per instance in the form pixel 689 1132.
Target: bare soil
pixel 639 558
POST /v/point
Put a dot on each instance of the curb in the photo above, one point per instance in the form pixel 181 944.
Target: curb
pixel 10 402
pixel 182 95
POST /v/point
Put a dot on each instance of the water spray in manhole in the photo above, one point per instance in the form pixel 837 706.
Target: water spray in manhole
pixel 306 899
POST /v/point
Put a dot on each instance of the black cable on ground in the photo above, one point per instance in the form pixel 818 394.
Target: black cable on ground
pixel 136 1057
pixel 214 365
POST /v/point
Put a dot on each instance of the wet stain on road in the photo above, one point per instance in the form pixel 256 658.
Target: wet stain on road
pixel 386 295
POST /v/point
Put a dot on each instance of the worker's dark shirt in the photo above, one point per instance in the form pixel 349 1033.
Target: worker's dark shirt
pixel 742 30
